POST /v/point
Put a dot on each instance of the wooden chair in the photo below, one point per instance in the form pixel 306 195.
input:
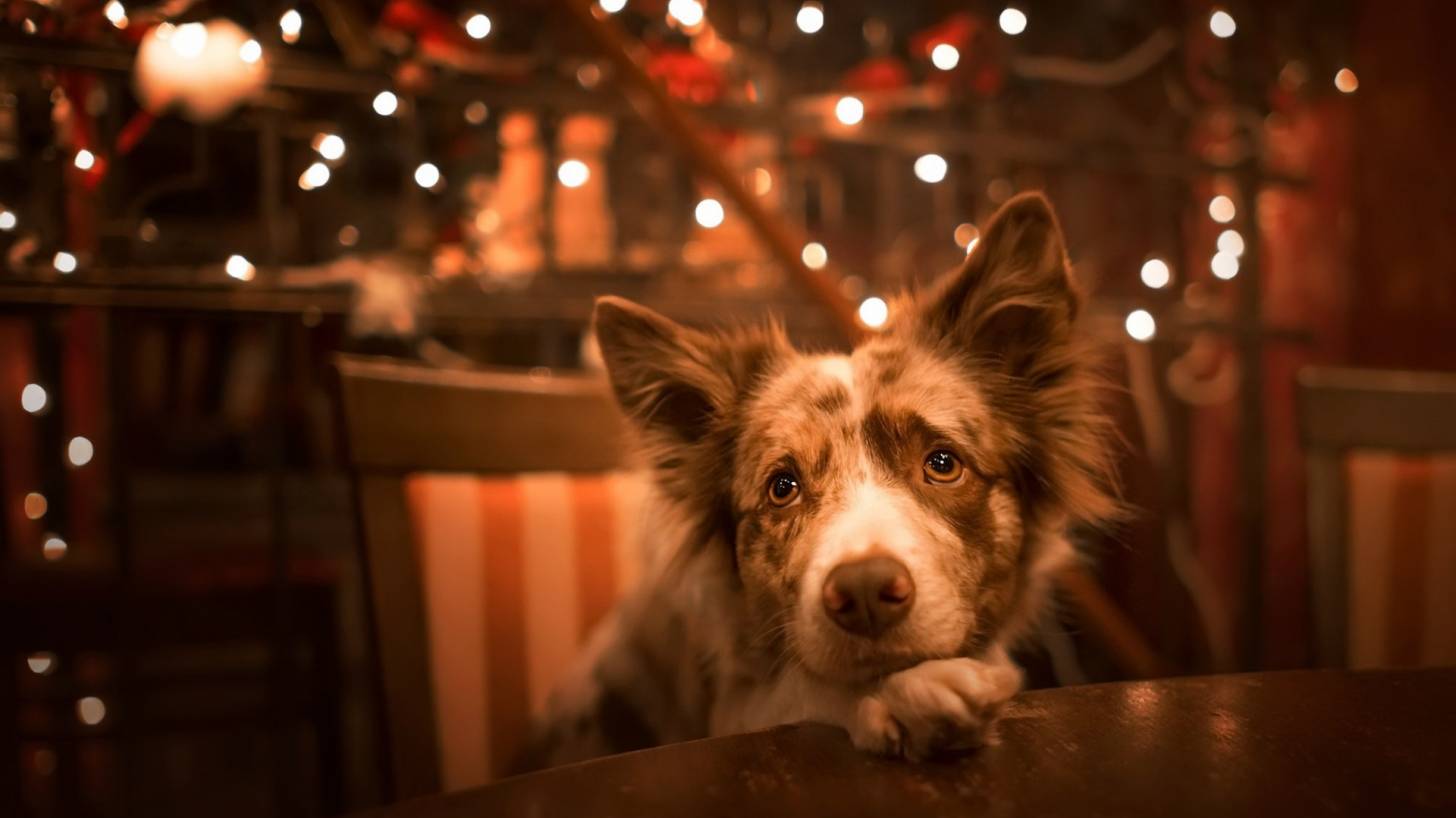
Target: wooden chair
pixel 1347 410
pixel 402 419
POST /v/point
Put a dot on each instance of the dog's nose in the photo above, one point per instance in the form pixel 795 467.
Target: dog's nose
pixel 866 597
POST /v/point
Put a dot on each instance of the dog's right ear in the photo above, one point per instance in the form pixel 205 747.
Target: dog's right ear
pixel 665 375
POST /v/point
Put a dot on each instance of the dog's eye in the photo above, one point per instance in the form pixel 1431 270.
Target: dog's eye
pixel 783 488
pixel 943 467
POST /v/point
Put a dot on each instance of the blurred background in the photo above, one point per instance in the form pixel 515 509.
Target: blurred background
pixel 203 202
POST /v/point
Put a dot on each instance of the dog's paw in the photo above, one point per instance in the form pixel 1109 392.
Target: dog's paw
pixel 938 705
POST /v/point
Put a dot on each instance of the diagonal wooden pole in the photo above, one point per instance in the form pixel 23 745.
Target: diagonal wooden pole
pixel 1102 616
pixel 654 104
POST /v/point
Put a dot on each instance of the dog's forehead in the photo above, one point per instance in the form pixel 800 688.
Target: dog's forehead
pixel 818 397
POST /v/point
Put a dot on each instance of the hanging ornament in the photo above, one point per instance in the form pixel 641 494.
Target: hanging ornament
pixel 203 69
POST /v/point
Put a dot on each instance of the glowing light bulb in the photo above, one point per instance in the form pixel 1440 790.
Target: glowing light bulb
pixel 815 256
pixel 966 235
pixel 85 160
pixel 427 175
pixel 573 173
pixel 849 110
pixel 810 18
pixel 250 52
pixel 53 548
pixel 1155 273
pixel 873 312
pixel 1231 241
pixel 8 220
pixel 189 40
pixel 687 12
pixel 476 112
pixel 41 663
pixel 931 168
pixel 239 268
pixel 33 398
pixel 478 26
pixel 1140 325
pixel 314 176
pixel 612 6
pixel 1346 81
pixel 80 451
pixel 330 146
pixel 116 13
pixel 64 263
pixel 1222 24
pixel 1221 209
pixel 291 25
pixel 386 103
pixel 35 505
pixel 709 213
pixel 91 711
pixel 945 56
pixel 1012 20
pixel 1224 265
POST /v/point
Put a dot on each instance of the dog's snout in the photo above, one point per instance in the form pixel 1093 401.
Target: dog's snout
pixel 868 596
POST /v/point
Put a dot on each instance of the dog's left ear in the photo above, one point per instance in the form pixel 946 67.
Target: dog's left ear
pixel 1013 300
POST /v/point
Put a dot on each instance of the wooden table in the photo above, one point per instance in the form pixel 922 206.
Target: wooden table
pixel 1289 744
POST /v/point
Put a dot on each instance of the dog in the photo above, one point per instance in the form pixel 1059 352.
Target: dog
pixel 851 539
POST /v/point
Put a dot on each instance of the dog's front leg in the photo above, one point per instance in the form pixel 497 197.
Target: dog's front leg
pixel 937 705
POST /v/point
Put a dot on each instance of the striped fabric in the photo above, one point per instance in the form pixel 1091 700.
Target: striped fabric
pixel 1402 561
pixel 516 571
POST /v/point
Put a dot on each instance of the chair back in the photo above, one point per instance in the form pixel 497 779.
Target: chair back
pixel 1379 449
pixel 446 464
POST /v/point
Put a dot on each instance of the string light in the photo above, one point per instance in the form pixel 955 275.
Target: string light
pixel 80 451
pixel 1224 265
pixel 35 505
pixel 1221 209
pixel 85 160
pixel 945 56
pixel 189 40
pixel 931 168
pixel 476 112
pixel 250 52
pixel 1222 24
pixel 1346 81
pixel 33 398
pixel 291 24
pixel 427 175
pixel 8 220
pixel 240 268
pixel 478 26
pixel 348 235
pixel 53 548
pixel 64 262
pixel 1155 273
pixel 873 312
pixel 116 13
pixel 1012 20
pixel 815 257
pixel 589 75
pixel 386 103
pixel 91 711
pixel 687 12
pixel 709 213
pixel 573 173
pixel 1140 325
pixel 810 18
pixel 612 6
pixel 314 176
pixel 330 146
pixel 1231 241
pixel 762 181
pixel 849 110
pixel 41 664
pixel 966 235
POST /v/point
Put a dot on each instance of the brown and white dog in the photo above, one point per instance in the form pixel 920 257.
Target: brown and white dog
pixel 852 539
